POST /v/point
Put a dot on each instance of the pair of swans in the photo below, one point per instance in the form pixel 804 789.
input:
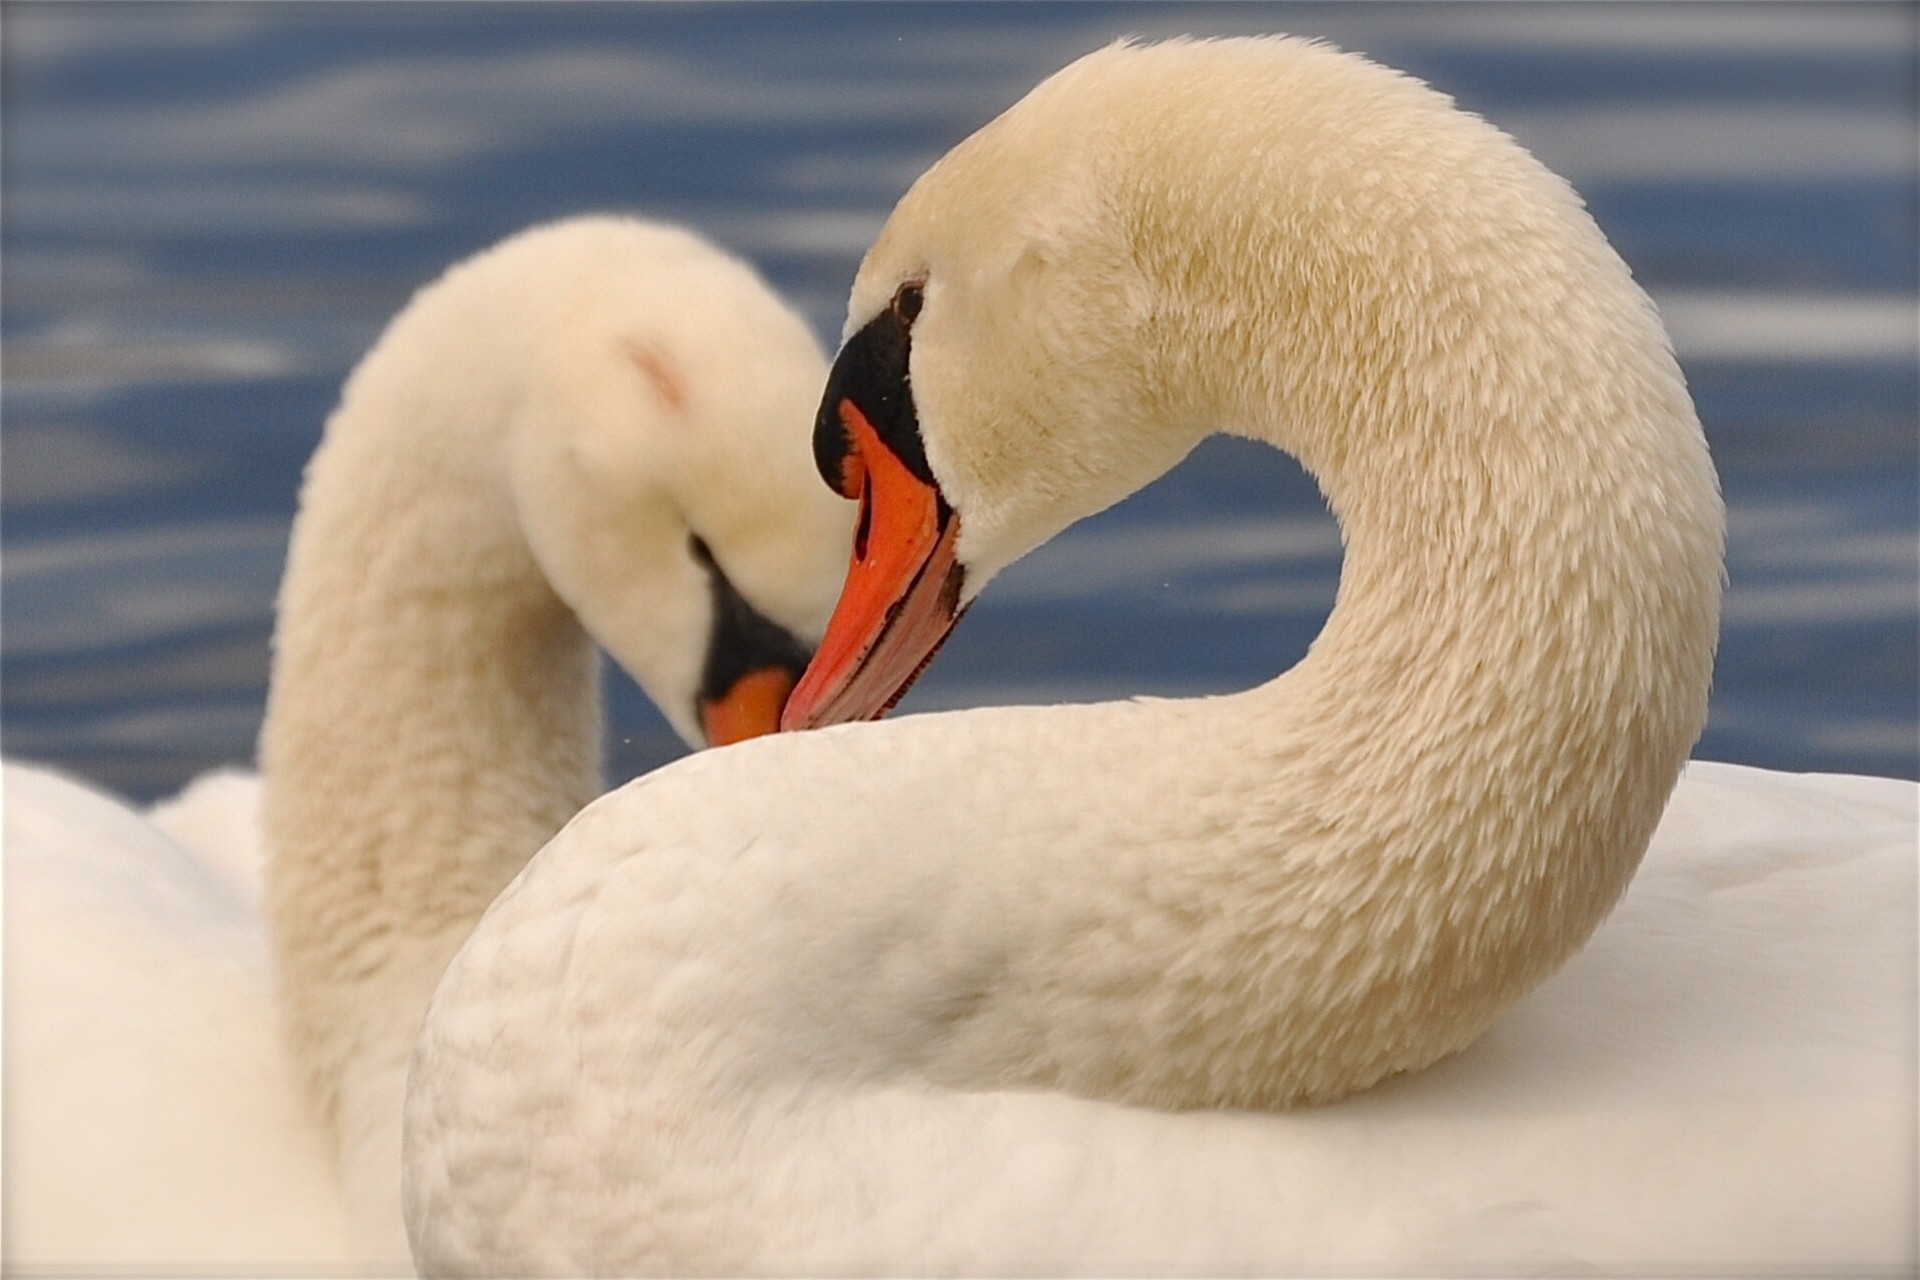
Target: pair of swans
pixel 879 998
pixel 595 428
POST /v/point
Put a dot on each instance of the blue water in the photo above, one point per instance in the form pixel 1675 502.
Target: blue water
pixel 209 212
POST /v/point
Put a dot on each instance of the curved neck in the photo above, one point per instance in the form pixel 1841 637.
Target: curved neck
pixel 1431 323
pixel 1352 870
pixel 433 719
pixel 1288 894
pixel 1474 754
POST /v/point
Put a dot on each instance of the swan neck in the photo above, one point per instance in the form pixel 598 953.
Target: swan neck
pixel 432 720
pixel 1393 841
pixel 1531 521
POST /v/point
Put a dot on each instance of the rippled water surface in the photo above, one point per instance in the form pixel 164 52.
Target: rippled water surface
pixel 210 211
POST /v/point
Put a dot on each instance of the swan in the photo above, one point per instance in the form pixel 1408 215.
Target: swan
pixel 1048 990
pixel 595 428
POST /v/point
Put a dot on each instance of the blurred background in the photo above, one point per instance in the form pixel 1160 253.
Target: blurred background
pixel 209 212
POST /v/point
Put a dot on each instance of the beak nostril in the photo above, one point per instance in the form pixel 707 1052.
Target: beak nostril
pixel 865 525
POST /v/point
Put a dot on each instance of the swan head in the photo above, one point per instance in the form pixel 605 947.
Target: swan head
pixel 1261 235
pixel 999 379
pixel 659 466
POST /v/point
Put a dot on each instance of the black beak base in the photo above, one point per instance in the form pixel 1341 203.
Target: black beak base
pixel 743 639
pixel 870 372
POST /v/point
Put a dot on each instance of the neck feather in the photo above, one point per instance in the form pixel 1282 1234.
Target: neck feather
pixel 433 720
pixel 1437 806
pixel 1473 756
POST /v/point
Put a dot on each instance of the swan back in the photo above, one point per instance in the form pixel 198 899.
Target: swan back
pixel 216 818
pixel 137 989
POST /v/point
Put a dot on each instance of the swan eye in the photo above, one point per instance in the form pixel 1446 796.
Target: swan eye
pixel 908 301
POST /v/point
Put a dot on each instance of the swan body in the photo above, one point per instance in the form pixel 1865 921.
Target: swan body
pixel 1029 989
pixel 154 1123
pixel 1721 1083
pixel 592 431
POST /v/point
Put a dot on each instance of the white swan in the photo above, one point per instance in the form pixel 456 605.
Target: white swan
pixel 877 998
pixel 596 427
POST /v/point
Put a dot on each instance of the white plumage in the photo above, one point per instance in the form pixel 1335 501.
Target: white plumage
pixel 153 1121
pixel 888 998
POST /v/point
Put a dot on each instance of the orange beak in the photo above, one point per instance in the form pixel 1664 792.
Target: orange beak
pixel 902 594
pixel 747 710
